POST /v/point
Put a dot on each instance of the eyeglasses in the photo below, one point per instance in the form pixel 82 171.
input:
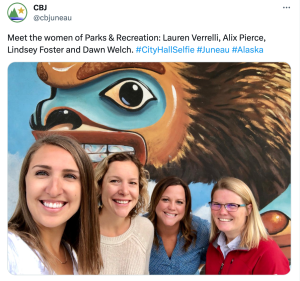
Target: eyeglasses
pixel 230 207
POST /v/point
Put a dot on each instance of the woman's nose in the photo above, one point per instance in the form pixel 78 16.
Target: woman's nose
pixel 124 190
pixel 54 187
pixel 171 205
pixel 223 210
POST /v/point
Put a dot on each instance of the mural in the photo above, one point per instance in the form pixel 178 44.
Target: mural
pixel 199 121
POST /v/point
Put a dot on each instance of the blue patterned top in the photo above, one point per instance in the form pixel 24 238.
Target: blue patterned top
pixel 182 262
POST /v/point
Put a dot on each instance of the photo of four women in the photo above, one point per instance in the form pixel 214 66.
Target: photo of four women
pixel 73 219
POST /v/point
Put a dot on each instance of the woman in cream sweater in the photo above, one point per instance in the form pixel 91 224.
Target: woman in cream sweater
pixel 126 238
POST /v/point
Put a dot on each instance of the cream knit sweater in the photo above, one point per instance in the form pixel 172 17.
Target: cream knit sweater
pixel 130 252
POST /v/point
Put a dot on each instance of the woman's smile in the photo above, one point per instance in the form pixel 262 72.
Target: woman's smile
pixel 53 188
pixel 171 207
pixel 120 189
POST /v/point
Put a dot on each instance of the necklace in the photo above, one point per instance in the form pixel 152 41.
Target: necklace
pixel 65 256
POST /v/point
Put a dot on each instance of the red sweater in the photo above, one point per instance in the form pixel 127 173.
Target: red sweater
pixel 266 259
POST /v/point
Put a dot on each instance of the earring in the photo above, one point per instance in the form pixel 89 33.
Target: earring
pixel 100 205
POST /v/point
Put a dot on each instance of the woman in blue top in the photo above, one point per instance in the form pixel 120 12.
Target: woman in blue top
pixel 181 239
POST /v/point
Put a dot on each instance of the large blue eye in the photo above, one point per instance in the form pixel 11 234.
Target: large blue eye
pixel 122 100
pixel 130 94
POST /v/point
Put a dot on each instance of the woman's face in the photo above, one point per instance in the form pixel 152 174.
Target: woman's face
pixel 120 189
pixel 170 209
pixel 53 188
pixel 231 223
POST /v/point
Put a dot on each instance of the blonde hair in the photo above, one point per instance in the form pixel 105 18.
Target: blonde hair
pixel 254 229
pixel 102 168
pixel 82 231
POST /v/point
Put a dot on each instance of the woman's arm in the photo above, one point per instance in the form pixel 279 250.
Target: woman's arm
pixel 272 260
pixel 12 264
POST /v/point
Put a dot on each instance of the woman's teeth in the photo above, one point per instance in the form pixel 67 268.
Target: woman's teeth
pixel 225 219
pixel 170 215
pixel 121 202
pixel 53 205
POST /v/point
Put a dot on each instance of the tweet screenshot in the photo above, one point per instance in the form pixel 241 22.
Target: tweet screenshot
pixel 150 138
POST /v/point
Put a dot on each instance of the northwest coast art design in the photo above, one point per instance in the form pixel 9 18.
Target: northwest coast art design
pixel 198 121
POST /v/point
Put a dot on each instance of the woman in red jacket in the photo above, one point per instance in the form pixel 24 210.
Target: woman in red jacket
pixel 239 242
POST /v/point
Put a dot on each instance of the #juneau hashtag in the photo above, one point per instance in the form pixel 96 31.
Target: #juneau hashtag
pixel 235 50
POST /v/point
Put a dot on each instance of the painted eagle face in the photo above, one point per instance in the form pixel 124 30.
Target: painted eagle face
pixel 198 121
pixel 110 107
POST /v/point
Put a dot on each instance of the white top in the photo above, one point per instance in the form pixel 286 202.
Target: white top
pixel 226 248
pixel 21 258
pixel 130 252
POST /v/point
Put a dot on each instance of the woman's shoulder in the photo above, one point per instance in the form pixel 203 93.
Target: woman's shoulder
pixel 13 237
pixel 199 223
pixel 269 249
pixel 271 258
pixel 268 245
pixel 21 258
pixel 143 229
pixel 15 243
pixel 143 223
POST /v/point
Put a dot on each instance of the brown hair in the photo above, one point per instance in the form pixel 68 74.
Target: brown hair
pixel 254 229
pixel 188 233
pixel 82 230
pixel 102 168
